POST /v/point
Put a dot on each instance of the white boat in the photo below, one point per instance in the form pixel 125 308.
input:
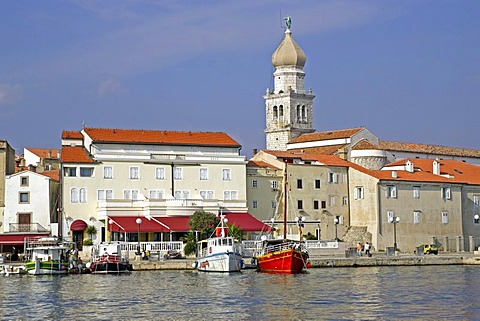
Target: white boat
pixel 48 255
pixel 107 258
pixel 6 269
pixel 221 253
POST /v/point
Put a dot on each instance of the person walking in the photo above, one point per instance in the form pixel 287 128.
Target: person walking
pixel 367 249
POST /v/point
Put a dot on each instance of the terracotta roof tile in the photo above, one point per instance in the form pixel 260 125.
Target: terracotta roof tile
pixel 261 164
pixel 429 149
pixel 324 150
pixel 45 152
pixel 329 160
pixel 327 135
pixel 109 135
pixel 71 134
pixel 76 154
pixel 53 174
pixel 364 144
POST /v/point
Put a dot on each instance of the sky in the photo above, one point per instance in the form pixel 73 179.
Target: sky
pixel 408 71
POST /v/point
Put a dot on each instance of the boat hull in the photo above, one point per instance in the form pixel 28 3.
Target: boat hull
pixel 111 268
pixel 283 261
pixel 46 267
pixel 220 262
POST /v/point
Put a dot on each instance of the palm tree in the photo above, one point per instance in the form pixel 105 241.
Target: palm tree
pixel 190 243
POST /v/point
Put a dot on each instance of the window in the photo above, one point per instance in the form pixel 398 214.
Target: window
pixel 315 204
pixel 390 216
pixel 416 192
pixel 104 194
pixel 130 194
pixel 274 185
pixel 229 195
pixel 82 195
pixel 24 197
pixel 416 217
pixel 317 184
pixel 226 174
pixel 331 200
pixel 274 204
pixel 134 172
pixel 73 195
pixel 444 217
pixel 182 194
pixel 108 172
pixel 86 171
pixel 391 191
pixel 178 173
pixel 358 192
pixel 70 171
pixel 160 173
pixel 332 177
pixel 203 174
pixel 156 194
pixel 446 193
pixel 255 204
pixel 476 200
pixel 300 204
pixel 24 181
pixel 324 204
pixel 345 201
pixel 254 183
pixel 207 195
pixel 48 167
pixel 299 183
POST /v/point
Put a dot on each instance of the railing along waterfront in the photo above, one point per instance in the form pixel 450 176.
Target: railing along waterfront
pixel 153 246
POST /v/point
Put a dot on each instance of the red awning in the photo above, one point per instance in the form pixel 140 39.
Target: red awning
pixel 176 224
pixel 128 224
pixel 16 239
pixel 247 222
pixel 78 225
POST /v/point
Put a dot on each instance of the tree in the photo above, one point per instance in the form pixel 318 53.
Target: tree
pixel 204 222
pixel 235 231
pixel 91 231
pixel 190 243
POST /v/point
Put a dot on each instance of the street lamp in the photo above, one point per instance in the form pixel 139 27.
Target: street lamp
pixel 394 220
pixel 300 223
pixel 110 221
pixel 336 221
pixel 476 218
pixel 138 221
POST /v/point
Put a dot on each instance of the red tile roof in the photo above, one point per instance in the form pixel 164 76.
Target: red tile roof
pixel 71 134
pixel 109 135
pixel 329 160
pixel 327 135
pixel 325 150
pixel 76 154
pixel 261 164
pixel 45 152
pixel 53 174
pixel 364 144
pixel 428 149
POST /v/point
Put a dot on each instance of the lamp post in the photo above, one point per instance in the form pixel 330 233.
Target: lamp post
pixel 476 217
pixel 110 221
pixel 336 221
pixel 394 220
pixel 138 221
pixel 300 223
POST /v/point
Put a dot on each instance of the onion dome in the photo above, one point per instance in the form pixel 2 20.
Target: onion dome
pixel 289 53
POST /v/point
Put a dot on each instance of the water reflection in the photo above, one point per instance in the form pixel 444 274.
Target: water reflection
pixel 385 293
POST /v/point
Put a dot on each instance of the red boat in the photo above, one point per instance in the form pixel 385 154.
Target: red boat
pixel 283 255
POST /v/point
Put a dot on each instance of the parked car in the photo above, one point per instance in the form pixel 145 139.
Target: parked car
pixel 429 249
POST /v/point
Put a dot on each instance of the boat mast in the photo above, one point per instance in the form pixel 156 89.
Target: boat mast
pixel 285 184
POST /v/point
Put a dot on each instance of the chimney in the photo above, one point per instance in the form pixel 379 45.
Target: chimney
pixel 254 151
pixel 409 166
pixel 436 167
pixel 394 174
pixel 342 153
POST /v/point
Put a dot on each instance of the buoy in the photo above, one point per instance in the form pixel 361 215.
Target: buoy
pixel 309 265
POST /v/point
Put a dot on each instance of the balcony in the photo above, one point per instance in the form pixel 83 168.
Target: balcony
pixel 32 227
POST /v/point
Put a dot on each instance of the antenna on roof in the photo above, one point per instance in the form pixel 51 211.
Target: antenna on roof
pixel 282 25
pixel 83 124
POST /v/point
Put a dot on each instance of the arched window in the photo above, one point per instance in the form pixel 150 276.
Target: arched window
pixel 304 114
pixel 82 195
pixel 275 112
pixel 280 111
pixel 73 195
pixel 299 116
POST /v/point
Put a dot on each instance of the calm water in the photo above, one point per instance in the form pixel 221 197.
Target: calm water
pixel 373 293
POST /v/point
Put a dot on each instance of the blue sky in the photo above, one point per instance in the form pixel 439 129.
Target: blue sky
pixel 409 71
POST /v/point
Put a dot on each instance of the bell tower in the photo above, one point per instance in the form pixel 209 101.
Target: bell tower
pixel 289 109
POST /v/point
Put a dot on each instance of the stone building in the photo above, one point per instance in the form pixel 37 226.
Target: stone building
pixel 7 167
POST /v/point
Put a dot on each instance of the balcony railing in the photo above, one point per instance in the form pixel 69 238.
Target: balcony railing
pixel 32 227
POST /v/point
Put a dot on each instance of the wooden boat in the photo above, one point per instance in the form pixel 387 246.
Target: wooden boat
pixel 47 255
pixel 107 258
pixel 221 253
pixel 282 255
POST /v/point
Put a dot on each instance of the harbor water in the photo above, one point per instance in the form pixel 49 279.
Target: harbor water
pixel 373 293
